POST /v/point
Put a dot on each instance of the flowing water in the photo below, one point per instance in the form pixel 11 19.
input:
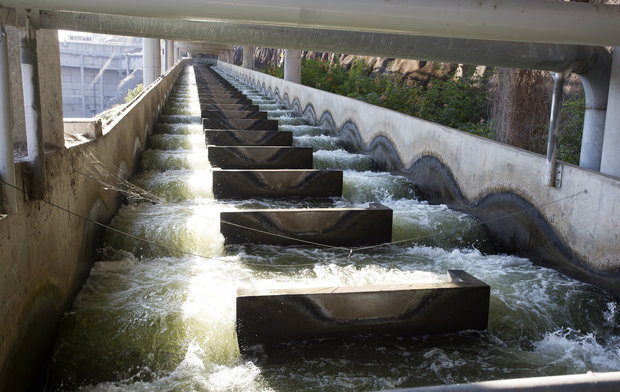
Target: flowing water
pixel 152 319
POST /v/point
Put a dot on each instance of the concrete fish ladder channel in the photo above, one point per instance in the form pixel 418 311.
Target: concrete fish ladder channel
pixel 253 159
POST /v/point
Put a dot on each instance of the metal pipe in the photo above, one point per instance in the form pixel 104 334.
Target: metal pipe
pixel 594 73
pixel 554 126
pixel 8 197
pixel 519 21
pixel 610 160
pixel 32 111
pixel 589 382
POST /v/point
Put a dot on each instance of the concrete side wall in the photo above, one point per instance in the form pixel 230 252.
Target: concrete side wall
pixel 574 228
pixel 47 253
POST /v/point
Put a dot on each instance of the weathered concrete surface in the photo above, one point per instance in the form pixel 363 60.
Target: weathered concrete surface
pixel 265 317
pixel 248 138
pixel 329 226
pixel 276 183
pixel 260 157
pixel 47 253
pixel 574 228
pixel 234 114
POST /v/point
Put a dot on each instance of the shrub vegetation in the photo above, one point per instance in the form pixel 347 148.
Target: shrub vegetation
pixel 460 102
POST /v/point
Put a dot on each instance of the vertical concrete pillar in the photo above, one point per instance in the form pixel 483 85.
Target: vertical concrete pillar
pixel 169 54
pixel 32 111
pixel 292 65
pixel 248 57
pixel 151 60
pixel 610 161
pixel 50 88
pixel 8 199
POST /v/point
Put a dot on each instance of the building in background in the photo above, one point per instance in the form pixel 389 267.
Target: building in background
pixel 97 71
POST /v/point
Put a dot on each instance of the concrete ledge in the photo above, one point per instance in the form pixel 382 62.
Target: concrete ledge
pixel 276 183
pixel 589 382
pixel 234 123
pixel 412 309
pixel 236 114
pixel 254 157
pixel 248 138
pixel 329 226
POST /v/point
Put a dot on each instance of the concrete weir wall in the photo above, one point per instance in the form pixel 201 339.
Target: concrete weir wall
pixel 574 228
pixel 46 253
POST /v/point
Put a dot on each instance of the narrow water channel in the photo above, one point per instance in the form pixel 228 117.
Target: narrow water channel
pixel 152 319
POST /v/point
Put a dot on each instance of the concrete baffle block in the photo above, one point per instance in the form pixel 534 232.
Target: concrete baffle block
pixel 229 106
pixel 274 316
pixel 231 184
pixel 228 137
pixel 234 114
pixel 225 101
pixel 328 226
pixel 260 157
pixel 234 123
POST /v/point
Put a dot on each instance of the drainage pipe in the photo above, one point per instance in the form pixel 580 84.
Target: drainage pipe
pixel 594 70
pixel 32 110
pixel 519 21
pixel 610 161
pixel 8 198
pixel 554 126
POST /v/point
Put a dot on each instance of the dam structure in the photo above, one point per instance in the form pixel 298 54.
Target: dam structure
pixel 229 230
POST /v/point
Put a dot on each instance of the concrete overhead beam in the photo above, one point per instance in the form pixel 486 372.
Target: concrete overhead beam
pixel 519 21
pixel 550 57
